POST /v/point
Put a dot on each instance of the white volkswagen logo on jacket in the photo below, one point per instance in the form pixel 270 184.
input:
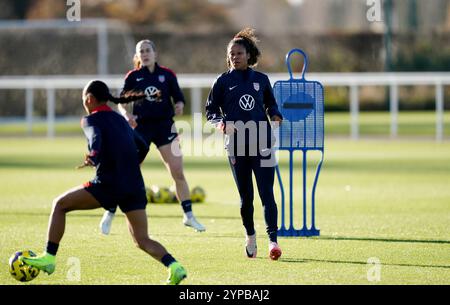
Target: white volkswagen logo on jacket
pixel 247 102
pixel 151 93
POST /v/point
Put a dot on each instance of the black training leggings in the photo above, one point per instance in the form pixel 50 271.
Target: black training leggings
pixel 242 167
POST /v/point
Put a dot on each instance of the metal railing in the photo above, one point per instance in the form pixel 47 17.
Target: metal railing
pixel 195 83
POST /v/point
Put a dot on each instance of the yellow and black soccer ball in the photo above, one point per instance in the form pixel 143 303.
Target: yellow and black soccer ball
pixel 19 270
pixel 198 194
pixel 156 194
pixel 150 194
pixel 173 194
pixel 166 194
pixel 160 194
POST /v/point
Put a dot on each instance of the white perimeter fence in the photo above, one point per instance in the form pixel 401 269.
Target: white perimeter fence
pixel 195 83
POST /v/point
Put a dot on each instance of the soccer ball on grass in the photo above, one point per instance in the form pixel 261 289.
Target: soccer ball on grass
pixel 21 271
pixel 198 194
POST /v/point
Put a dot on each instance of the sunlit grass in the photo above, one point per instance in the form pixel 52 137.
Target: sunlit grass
pixel 375 198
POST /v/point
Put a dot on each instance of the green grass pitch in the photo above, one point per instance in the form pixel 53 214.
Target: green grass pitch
pixel 382 199
pixel 420 124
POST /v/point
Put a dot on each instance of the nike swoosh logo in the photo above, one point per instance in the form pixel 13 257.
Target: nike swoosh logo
pixel 139 79
pixel 171 137
pixel 231 88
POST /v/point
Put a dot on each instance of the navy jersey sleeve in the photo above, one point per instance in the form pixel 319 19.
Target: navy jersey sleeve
pixel 94 137
pixel 270 104
pixel 175 91
pixel 214 113
pixel 142 147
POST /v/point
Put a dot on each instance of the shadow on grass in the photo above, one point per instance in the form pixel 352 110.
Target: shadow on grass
pixel 118 214
pixel 70 164
pixel 205 218
pixel 311 260
pixel 391 240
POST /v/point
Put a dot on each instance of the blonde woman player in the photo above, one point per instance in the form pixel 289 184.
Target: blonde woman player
pixel 152 118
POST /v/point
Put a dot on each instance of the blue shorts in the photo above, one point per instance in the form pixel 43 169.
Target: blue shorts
pixel 109 198
pixel 158 132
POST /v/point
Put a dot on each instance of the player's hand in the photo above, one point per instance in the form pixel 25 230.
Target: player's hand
pixel 275 121
pixel 276 118
pixel 179 108
pixel 227 128
pixel 87 162
pixel 131 119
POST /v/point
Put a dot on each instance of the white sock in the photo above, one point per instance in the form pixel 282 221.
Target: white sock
pixel 189 214
pixel 252 237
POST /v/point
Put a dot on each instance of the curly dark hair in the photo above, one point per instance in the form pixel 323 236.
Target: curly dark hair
pixel 248 40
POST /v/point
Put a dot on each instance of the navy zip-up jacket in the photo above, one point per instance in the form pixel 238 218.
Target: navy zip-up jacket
pixel 162 79
pixel 243 96
pixel 115 149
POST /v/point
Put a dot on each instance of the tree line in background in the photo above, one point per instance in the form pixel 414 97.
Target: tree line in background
pixel 209 21
pixel 191 37
pixel 171 15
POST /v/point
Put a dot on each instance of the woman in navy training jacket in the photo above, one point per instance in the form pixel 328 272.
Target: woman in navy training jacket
pixel 239 104
pixel 152 118
pixel 116 152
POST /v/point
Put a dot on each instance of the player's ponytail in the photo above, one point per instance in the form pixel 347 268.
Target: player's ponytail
pixel 128 97
pixel 101 92
pixel 248 40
